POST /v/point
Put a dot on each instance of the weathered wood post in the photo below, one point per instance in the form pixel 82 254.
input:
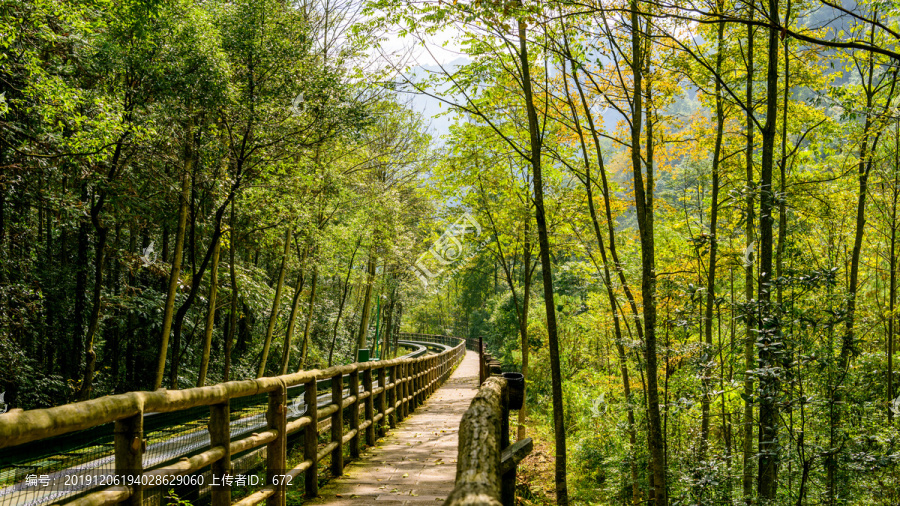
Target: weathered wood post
pixel 411 404
pixel 423 381
pixel 402 385
pixel 370 406
pixel 410 388
pixel 129 449
pixel 507 479
pixel 416 384
pixel 276 451
pixel 426 373
pixel 337 425
pixel 478 461
pixel 220 435
pixel 311 438
pixel 383 396
pixel 481 376
pixel 432 374
pixel 354 413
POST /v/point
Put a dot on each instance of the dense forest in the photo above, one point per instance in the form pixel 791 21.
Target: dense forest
pixel 678 219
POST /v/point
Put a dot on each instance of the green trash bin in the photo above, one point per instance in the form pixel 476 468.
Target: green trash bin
pixel 363 355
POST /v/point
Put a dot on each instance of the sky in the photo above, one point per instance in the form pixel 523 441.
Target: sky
pixel 438 50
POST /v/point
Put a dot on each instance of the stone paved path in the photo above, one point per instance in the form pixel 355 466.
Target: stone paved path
pixel 416 462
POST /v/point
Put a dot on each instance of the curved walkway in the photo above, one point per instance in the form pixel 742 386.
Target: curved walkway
pixel 416 462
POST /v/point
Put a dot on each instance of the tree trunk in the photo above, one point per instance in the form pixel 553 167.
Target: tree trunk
pixel 210 315
pixel 73 360
pixel 337 320
pixel 175 273
pixel 768 336
pixel 893 266
pixel 90 356
pixel 388 325
pixel 605 272
pixel 232 316
pixel 309 318
pixel 559 429
pixel 749 260
pixel 367 305
pixel 180 315
pixel 643 193
pixel 276 305
pixel 289 334
pixel 523 325
pixel 713 243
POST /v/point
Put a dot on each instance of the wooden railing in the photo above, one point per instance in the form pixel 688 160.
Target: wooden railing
pixel 487 462
pixel 471 344
pixel 402 385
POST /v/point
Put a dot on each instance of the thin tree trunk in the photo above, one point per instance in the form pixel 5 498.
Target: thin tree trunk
pixel 523 325
pixel 713 241
pixel 388 325
pixel 90 355
pixel 836 432
pixel 367 305
pixel 397 326
pixel 508 271
pixel 643 193
pixel 210 315
pixel 276 305
pixel 768 336
pixel 295 304
pixel 197 278
pixel 607 278
pixel 232 316
pixel 80 303
pixel 893 265
pixel 181 313
pixel 749 260
pixel 337 320
pixel 559 429
pixel 175 274
pixel 309 317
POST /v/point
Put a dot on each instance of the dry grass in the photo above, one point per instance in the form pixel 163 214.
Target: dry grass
pixel 535 477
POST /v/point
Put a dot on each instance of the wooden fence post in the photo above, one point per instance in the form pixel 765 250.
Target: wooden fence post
pixel 414 396
pixel 370 406
pixel 129 449
pixel 481 377
pixel 276 451
pixel 421 388
pixel 337 425
pixel 220 435
pixel 429 377
pixel 479 456
pixel 311 438
pixel 401 386
pixel 417 384
pixel 507 479
pixel 354 413
pixel 383 395
pixel 407 388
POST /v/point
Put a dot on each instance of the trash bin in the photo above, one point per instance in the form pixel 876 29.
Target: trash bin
pixel 363 355
pixel 515 381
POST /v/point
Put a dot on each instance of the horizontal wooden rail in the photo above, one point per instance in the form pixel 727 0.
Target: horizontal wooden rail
pixel 406 382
